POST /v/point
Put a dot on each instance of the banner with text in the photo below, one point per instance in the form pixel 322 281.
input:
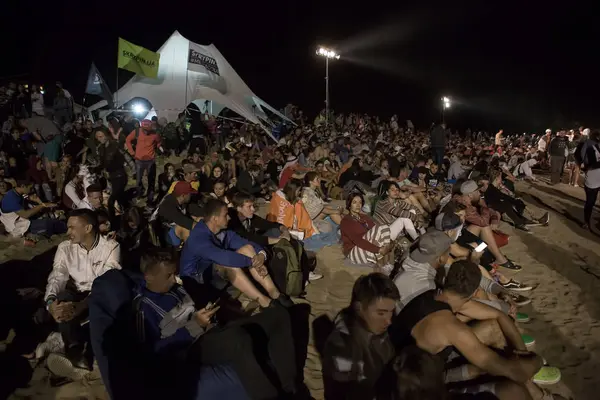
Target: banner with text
pixel 137 59
pixel 200 60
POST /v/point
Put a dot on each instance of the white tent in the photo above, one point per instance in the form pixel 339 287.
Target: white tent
pixel 189 72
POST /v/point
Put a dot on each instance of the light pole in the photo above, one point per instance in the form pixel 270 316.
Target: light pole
pixel 445 104
pixel 328 54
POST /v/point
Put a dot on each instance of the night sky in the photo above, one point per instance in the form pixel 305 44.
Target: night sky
pixel 525 67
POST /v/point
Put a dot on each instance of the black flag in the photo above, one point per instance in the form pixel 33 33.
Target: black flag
pixel 96 85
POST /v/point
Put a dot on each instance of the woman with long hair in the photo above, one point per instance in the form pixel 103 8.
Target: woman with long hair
pixel 324 216
pixel 392 206
pixel 165 180
pixel 286 208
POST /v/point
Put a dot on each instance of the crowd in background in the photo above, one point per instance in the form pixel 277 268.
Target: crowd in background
pixel 161 215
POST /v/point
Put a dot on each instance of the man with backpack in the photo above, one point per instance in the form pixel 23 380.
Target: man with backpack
pixel 290 266
pixel 142 144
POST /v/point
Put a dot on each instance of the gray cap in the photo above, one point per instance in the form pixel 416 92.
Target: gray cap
pixel 431 246
pixel 447 221
pixel 468 187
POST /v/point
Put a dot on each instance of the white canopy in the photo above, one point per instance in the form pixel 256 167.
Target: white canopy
pixel 189 72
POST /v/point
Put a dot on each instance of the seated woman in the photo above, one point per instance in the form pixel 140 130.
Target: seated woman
pixel 287 209
pixel 323 215
pixel 358 351
pixel 365 242
pixel 219 192
pixel 165 180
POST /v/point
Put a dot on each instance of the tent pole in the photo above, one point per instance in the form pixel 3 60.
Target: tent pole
pixel 186 88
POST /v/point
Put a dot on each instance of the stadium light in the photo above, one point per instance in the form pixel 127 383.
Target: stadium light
pixel 328 54
pixel 446 103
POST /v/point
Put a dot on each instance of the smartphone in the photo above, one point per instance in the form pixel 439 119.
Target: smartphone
pixel 481 247
pixel 210 305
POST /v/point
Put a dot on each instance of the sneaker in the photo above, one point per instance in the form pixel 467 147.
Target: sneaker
pixel 523 228
pixel 509 265
pixel 547 376
pixel 528 340
pixel 53 344
pixel 545 219
pixel 312 276
pixel 60 365
pixel 516 286
pixel 520 300
pixel 522 317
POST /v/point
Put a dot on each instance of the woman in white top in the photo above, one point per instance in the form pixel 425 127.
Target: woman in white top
pixel 37 101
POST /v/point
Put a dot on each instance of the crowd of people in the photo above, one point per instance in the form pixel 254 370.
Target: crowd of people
pixel 179 252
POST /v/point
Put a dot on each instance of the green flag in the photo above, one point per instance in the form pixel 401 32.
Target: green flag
pixel 137 59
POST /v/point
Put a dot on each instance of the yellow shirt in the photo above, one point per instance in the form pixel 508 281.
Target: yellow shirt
pixel 195 186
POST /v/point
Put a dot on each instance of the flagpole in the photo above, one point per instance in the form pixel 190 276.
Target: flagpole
pixel 117 79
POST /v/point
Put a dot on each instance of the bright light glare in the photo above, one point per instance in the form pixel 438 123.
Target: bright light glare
pixel 139 108
pixel 322 51
pixel 446 101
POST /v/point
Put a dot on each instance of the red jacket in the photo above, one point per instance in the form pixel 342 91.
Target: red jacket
pixel 353 231
pixel 145 148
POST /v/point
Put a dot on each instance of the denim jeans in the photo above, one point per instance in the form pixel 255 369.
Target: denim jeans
pixel 590 201
pixel 316 242
pixel 140 167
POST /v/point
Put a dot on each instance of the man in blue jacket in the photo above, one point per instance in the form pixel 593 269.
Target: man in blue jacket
pixel 211 248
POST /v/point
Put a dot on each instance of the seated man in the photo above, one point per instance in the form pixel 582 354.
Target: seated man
pixel 496 195
pixel 430 322
pixel 358 351
pixel 20 213
pixel 169 325
pixel 416 194
pixel 190 175
pixel 173 214
pixel 482 220
pixel 248 182
pixel 244 221
pixel 79 260
pixel 212 248
pixel 450 221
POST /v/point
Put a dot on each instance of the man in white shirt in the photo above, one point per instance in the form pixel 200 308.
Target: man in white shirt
pixel 78 261
pixel 498 139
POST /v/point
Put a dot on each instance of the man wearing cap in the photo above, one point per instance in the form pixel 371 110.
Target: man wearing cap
pixel 420 268
pixel 172 212
pixel 147 141
pixel 480 219
pixel 190 175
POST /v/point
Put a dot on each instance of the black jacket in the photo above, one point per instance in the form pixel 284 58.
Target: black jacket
pixel 438 137
pixel 258 227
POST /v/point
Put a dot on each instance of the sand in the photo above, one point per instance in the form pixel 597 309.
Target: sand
pixel 562 260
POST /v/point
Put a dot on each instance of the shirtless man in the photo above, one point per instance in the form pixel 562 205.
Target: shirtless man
pixel 431 322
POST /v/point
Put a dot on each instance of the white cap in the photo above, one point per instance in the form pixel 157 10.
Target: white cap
pixel 586 131
pixel 548 131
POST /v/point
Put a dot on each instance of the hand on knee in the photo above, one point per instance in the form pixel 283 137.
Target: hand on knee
pixel 247 250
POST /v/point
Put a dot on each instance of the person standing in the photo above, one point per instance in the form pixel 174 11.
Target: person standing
pixel 498 139
pixel 147 141
pixel 112 160
pixel 591 166
pixel 438 143
pixel 37 101
pixel 558 153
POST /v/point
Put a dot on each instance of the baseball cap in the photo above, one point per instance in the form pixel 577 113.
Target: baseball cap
pixel 447 221
pixel 431 246
pixel 146 124
pixel 548 130
pixel 468 187
pixel 189 168
pixel 182 188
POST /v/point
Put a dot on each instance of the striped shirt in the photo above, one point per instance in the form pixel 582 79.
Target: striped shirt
pixel 388 210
